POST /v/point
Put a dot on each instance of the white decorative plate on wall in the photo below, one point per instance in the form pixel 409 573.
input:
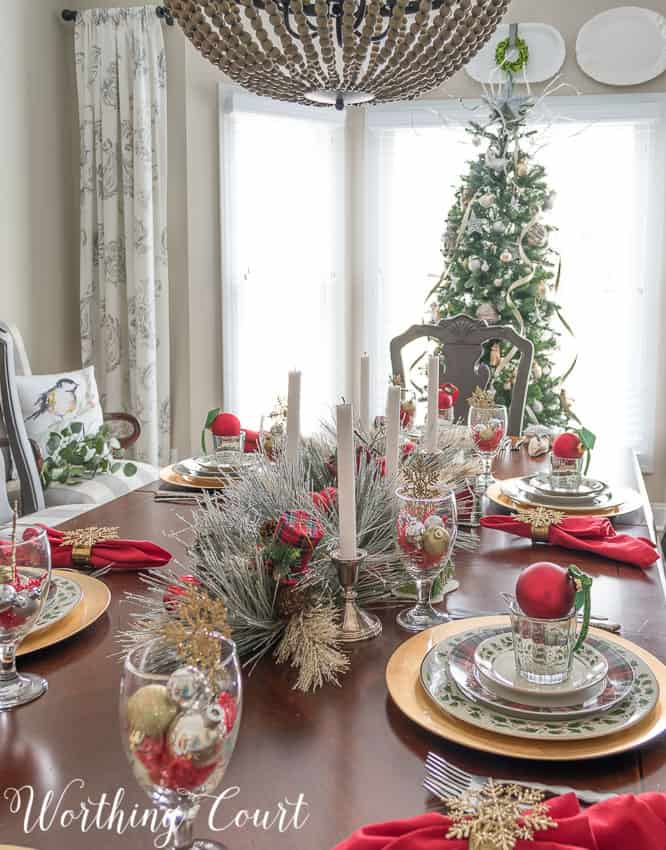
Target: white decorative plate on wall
pixel 547 52
pixel 623 47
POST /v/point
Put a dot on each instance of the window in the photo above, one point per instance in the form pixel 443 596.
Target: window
pixel 291 277
pixel 284 254
pixel 604 158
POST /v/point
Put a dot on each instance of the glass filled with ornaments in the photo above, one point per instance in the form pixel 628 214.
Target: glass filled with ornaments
pixel 487 424
pixel 179 724
pixel 25 576
pixel 426 533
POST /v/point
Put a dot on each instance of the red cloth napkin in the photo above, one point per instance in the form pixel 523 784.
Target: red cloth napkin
pixel 585 534
pixel 118 554
pixel 624 823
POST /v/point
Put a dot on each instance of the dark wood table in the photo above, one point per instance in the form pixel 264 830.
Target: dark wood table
pixel 347 750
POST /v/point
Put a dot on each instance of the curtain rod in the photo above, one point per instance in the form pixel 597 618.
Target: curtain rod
pixel 161 12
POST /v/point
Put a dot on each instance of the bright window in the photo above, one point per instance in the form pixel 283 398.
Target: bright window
pixel 283 244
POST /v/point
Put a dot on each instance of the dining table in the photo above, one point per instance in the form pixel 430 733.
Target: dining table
pixel 342 756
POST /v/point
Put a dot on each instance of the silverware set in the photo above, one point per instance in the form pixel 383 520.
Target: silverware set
pixel 444 779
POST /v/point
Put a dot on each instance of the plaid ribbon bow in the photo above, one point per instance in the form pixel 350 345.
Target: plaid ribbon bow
pixel 300 530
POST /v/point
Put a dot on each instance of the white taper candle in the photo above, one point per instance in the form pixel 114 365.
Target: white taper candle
pixel 392 425
pixel 433 391
pixel 364 405
pixel 293 415
pixel 346 480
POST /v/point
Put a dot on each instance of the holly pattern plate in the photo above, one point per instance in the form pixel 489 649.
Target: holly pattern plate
pixel 67 596
pixel 601 697
pixel 495 660
pixel 443 692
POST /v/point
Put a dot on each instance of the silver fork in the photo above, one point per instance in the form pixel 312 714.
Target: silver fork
pixel 444 779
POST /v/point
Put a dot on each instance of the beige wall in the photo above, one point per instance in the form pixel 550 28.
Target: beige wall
pixel 39 224
pixel 38 213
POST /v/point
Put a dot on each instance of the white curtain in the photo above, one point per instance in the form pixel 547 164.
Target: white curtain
pixel 121 81
pixel 283 245
pixel 604 157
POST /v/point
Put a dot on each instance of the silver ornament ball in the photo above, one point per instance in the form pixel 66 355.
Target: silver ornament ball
pixel 192 736
pixel 414 532
pixel 433 521
pixel 186 685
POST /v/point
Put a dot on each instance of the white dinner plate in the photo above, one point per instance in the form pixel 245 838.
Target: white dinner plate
pixel 547 52
pixel 623 47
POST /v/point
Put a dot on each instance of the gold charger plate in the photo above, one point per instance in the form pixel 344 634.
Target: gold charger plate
pixel 402 680
pixel 495 494
pixel 192 482
pixel 96 599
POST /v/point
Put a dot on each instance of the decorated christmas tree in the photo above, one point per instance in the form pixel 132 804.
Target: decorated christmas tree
pixel 498 264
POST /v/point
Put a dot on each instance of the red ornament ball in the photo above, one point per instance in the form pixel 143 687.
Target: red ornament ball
pixel 444 400
pixel 452 390
pixel 568 445
pixel 226 425
pixel 545 590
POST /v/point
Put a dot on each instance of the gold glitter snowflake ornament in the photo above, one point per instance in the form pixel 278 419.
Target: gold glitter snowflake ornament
pixel 422 474
pixel 496 816
pixel 192 630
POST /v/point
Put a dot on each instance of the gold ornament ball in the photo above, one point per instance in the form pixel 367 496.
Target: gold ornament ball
pixel 436 542
pixel 537 371
pixel 193 737
pixel 522 168
pixel 150 711
pixel 506 256
pixel 487 201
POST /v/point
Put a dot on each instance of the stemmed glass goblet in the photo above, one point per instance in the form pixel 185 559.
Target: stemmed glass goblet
pixel 427 529
pixel 25 576
pixel 179 727
pixel 487 425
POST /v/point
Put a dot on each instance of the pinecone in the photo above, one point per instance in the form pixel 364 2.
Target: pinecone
pixel 290 600
pixel 267 529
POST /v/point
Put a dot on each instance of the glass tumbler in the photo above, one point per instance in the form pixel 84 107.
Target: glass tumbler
pixel 25 576
pixel 487 427
pixel 426 531
pixel 179 727
pixel 229 450
pixel 566 473
pixel 543 649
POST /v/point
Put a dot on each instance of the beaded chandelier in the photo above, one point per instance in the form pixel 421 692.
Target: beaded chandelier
pixel 338 52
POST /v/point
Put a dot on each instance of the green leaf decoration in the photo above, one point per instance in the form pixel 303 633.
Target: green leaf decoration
pixel 130 469
pixel 583 599
pixel 76 427
pixel 72 456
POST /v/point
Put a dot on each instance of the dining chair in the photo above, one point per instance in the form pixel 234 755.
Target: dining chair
pixel 26 455
pixel 462 339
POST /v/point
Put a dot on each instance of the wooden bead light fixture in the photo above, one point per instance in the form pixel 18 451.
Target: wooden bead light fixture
pixel 338 52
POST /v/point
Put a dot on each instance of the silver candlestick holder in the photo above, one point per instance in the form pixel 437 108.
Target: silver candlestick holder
pixel 357 624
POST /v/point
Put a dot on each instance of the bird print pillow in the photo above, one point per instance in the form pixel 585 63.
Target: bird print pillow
pixel 50 402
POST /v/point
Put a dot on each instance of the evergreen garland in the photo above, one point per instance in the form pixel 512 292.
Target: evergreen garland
pixel 498 265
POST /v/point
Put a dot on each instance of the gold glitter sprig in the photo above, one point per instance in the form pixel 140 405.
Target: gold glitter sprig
pixel 498 815
pixel 422 476
pixel 191 629
pixel 481 398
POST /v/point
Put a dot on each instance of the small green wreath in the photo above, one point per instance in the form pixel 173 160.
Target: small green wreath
pixel 517 64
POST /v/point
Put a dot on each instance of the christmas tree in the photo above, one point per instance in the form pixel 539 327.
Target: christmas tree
pixel 498 265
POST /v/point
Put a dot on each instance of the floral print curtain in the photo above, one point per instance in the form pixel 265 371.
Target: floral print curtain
pixel 121 82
